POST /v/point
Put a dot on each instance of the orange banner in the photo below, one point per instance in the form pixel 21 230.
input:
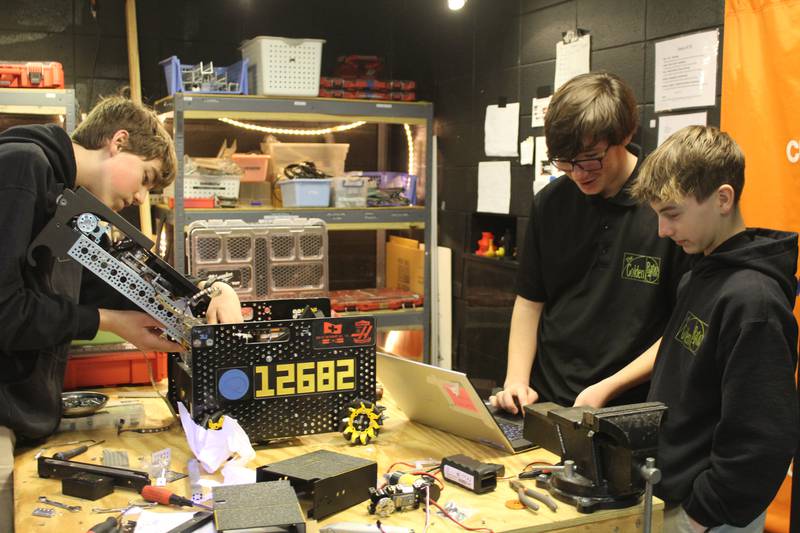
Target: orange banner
pixel 761 110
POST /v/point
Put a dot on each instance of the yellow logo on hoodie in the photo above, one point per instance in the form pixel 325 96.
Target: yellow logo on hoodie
pixel 644 268
pixel 692 332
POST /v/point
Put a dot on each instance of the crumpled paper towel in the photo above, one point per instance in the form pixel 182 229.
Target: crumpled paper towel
pixel 213 448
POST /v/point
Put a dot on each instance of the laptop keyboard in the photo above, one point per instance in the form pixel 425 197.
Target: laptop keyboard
pixel 512 431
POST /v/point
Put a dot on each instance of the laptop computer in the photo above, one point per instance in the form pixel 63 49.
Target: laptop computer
pixel 446 400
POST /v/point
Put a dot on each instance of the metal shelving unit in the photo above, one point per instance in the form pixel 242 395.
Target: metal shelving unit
pixel 336 218
pixel 59 102
pixel 183 107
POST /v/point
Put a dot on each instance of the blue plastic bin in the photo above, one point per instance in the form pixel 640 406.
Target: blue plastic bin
pixel 174 73
pixel 306 192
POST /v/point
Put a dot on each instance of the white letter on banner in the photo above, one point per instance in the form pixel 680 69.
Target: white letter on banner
pixel 793 151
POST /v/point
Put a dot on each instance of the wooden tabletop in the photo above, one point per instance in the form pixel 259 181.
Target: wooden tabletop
pixel 400 440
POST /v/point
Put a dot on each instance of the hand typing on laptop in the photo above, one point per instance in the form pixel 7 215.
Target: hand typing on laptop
pixel 513 397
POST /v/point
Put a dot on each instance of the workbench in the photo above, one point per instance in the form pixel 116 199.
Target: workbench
pixel 400 440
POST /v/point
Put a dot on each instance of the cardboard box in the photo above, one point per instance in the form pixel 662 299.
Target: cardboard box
pixel 405 264
pixel 328 157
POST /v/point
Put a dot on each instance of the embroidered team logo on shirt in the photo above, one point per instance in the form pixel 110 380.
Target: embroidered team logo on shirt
pixel 644 268
pixel 692 332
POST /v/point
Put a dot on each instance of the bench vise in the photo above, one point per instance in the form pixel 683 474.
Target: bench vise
pixel 606 454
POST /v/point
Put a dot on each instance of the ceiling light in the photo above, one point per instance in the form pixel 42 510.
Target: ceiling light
pixel 456 4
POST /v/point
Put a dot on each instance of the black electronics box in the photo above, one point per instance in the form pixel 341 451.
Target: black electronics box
pixel 87 486
pixel 471 474
pixel 330 481
pixel 258 507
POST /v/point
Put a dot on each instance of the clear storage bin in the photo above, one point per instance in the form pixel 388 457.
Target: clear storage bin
pixel 305 192
pixel 350 192
pixel 255 194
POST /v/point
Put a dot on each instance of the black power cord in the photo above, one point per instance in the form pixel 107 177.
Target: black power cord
pixel 305 170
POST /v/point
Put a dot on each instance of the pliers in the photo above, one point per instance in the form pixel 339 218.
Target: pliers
pixel 525 494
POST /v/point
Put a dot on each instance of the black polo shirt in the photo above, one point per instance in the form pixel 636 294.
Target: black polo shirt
pixel 607 282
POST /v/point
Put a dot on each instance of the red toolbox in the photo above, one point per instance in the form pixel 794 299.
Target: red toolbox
pixel 114 368
pixel 31 74
pixel 369 95
pixel 363 300
pixel 367 84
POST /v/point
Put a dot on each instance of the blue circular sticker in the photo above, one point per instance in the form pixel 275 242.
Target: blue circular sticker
pixel 233 384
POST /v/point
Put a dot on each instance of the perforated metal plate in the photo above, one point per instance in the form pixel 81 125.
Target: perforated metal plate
pixel 281 247
pixel 292 277
pixel 239 248
pixel 126 281
pixel 282 378
pixel 196 186
pixel 209 249
pixel 311 246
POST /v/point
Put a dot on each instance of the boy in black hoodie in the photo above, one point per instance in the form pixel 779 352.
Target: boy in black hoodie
pixel 119 152
pixel 726 364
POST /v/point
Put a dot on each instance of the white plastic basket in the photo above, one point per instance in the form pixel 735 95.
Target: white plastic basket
pixel 207 186
pixel 283 67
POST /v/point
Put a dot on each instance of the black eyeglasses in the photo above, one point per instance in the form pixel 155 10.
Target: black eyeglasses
pixel 587 165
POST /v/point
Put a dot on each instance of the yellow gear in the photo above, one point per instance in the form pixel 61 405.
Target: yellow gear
pixel 363 422
pixel 215 425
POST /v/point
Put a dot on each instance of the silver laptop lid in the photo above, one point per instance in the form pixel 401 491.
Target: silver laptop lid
pixel 440 398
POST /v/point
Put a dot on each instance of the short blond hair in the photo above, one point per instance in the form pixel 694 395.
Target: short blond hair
pixel 147 136
pixel 589 108
pixel 693 161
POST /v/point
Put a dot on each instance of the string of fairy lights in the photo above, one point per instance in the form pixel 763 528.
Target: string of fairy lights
pixel 321 131
pixel 292 131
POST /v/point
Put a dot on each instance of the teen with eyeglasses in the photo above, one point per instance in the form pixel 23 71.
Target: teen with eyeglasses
pixel 596 284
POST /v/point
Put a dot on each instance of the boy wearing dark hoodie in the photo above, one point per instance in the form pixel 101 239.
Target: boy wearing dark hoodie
pixel 119 152
pixel 726 364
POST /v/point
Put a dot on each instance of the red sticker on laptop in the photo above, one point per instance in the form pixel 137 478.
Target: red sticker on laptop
pixel 459 396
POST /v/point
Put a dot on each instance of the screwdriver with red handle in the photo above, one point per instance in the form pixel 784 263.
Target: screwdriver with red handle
pixel 165 497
